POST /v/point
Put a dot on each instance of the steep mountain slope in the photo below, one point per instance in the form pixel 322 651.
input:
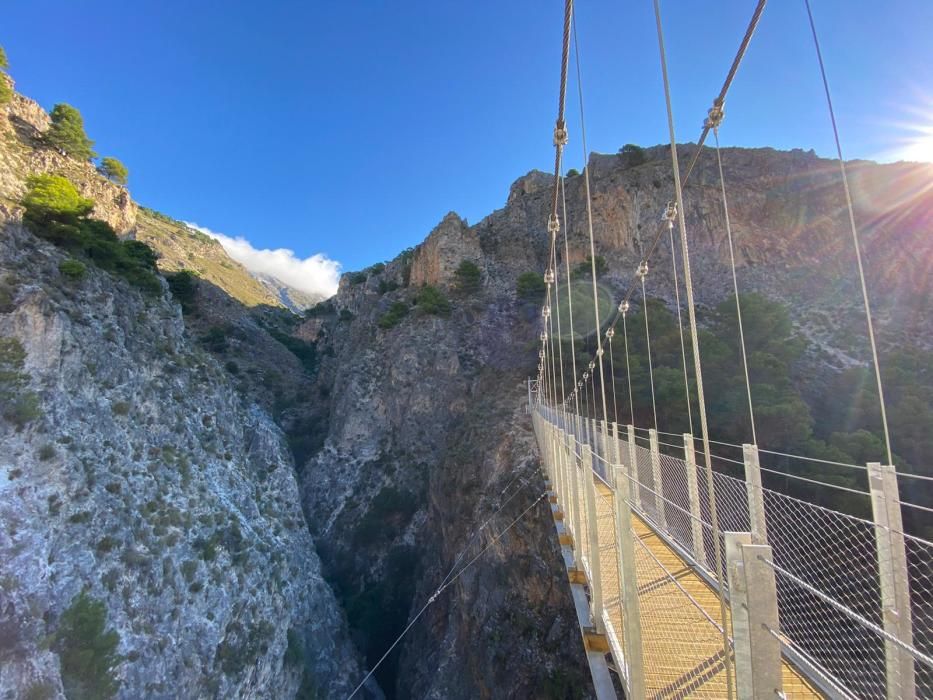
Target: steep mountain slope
pixel 151 516
pixel 181 247
pixel 291 298
pixel 425 424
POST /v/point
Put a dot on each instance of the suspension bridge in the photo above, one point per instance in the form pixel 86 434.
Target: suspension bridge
pixel 695 571
pixel 694 574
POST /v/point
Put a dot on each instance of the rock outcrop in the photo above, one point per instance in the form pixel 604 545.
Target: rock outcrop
pixel 147 482
pixel 425 424
pixel 20 157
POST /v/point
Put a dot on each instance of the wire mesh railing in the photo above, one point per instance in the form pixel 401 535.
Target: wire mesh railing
pixel 853 595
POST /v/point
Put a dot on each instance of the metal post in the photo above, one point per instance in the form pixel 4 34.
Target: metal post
pixel 756 497
pixel 607 455
pixel 656 476
pixel 593 536
pixel 753 602
pixel 633 465
pixel 693 493
pixel 892 573
pixel 625 559
pixel 573 471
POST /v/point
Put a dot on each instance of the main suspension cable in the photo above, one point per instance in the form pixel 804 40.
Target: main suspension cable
pixel 720 99
pixel 589 222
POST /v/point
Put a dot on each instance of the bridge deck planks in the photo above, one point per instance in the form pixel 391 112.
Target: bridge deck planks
pixel 682 647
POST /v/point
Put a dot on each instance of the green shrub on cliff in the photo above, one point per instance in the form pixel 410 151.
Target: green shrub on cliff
pixel 394 315
pixel 87 651
pixel 19 406
pixel 6 92
pixel 55 211
pixel 432 301
pixel 530 286
pixel 468 276
pixel 72 269
pixel 183 285
pixel 66 133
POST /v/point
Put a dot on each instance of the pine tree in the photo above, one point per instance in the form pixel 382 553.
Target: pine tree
pixel 114 170
pixel 67 133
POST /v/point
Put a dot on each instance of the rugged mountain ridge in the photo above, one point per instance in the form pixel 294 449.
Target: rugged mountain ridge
pixel 425 426
pixel 142 488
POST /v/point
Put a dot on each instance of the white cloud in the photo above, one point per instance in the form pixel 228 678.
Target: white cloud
pixel 316 274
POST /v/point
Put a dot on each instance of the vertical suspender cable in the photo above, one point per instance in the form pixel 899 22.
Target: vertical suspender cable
pixel 644 300
pixel 688 283
pixel 560 337
pixel 573 349
pixel 628 370
pixel 589 221
pixel 735 281
pixel 855 242
pixel 680 325
pixel 612 375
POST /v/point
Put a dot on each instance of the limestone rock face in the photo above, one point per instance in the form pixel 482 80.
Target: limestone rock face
pixel 449 244
pixel 148 482
pixel 426 437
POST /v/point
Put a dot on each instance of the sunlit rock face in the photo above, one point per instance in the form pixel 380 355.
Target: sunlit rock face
pixel 22 124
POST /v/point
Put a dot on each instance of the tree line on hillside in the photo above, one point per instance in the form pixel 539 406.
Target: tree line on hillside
pixel 848 428
pixel 66 132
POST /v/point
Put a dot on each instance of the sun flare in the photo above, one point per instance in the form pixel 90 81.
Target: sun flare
pixel 919 147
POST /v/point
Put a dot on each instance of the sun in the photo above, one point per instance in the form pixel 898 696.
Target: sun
pixel 918 146
pixel 911 136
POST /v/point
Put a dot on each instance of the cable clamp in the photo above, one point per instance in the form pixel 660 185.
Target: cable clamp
pixel 592 365
pixel 553 224
pixel 642 270
pixel 610 332
pixel 599 353
pixel 560 135
pixel 546 311
pixel 715 115
pixel 670 213
pixel 586 375
pixel 544 337
pixel 624 307
pixel 549 277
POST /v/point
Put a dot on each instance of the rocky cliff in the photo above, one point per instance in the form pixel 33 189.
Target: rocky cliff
pixel 425 427
pixel 150 512
pixel 144 468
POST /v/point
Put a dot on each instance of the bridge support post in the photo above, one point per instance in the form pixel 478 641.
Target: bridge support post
pixel 625 560
pixel 893 576
pixel 656 477
pixel 753 602
pixel 756 497
pixel 693 494
pixel 633 465
pixel 554 457
pixel 593 539
pixel 573 477
pixel 607 455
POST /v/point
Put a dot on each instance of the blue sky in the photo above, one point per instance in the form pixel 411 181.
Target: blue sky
pixel 351 128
